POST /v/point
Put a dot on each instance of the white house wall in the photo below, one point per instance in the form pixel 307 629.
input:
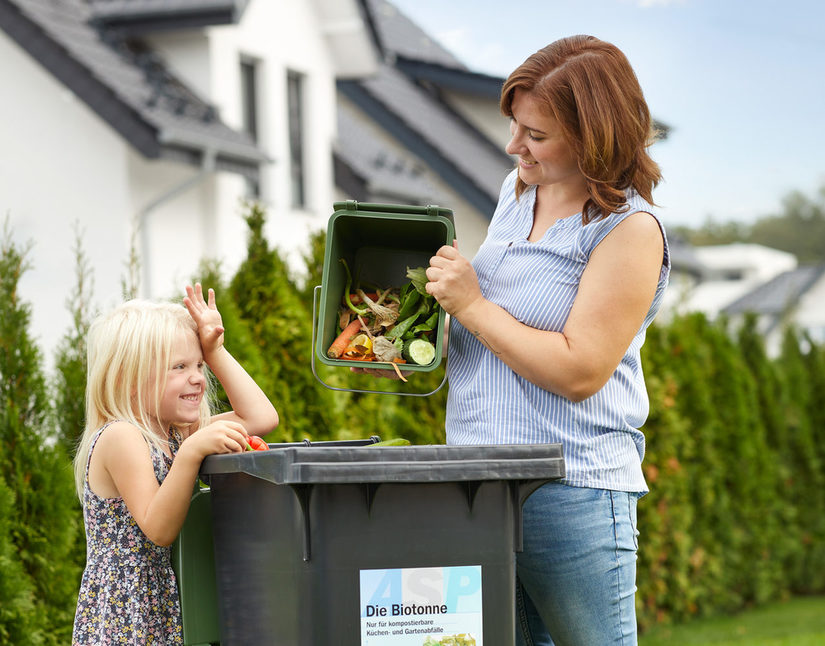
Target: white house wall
pixel 61 165
pixel 483 114
pixel 282 36
pixel 183 228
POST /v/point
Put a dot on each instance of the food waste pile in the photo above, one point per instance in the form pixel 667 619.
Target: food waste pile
pixel 392 325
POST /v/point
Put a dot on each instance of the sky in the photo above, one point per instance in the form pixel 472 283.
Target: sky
pixel 740 83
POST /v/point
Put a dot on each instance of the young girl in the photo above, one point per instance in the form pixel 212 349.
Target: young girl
pixel 147 402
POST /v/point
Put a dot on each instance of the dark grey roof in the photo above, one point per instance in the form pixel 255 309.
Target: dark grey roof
pixel 449 145
pixel 385 172
pixel 402 37
pixel 779 294
pixel 405 98
pixel 126 84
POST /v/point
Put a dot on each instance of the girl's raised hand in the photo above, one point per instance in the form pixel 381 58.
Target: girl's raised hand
pixel 206 315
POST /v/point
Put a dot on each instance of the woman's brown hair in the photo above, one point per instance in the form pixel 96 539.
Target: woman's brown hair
pixel 589 87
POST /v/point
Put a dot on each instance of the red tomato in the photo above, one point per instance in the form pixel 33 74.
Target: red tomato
pixel 257 443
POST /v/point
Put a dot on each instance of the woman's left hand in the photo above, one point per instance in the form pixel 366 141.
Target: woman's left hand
pixel 452 280
pixel 206 315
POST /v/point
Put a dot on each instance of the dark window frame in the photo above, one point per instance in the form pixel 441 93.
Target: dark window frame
pixel 296 91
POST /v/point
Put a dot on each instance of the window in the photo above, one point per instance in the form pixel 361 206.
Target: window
pixel 249 112
pixel 295 115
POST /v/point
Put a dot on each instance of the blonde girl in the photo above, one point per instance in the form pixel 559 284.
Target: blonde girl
pixel 148 427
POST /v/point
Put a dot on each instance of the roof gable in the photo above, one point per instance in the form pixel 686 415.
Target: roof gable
pixel 404 99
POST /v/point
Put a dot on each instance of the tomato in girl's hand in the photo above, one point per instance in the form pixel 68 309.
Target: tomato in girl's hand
pixel 256 443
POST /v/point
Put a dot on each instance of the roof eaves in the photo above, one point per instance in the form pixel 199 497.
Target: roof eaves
pixel 412 140
pixel 128 17
pixel 239 153
pixel 451 77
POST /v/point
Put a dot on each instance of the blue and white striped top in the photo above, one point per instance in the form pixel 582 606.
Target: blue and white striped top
pixel 537 282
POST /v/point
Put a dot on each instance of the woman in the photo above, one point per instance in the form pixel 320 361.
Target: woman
pixel 546 328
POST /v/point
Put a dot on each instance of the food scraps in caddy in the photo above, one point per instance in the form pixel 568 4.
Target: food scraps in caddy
pixel 392 325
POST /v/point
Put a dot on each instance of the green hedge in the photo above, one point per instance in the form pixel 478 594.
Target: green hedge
pixel 735 444
pixel 736 512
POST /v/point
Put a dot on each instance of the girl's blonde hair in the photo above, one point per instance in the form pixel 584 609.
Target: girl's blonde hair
pixel 128 357
pixel 589 87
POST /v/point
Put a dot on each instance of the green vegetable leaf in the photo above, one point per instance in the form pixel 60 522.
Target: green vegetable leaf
pixel 418 277
pixel 409 302
pixel 428 325
pixel 401 328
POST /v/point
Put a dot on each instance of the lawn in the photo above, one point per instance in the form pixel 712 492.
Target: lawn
pixel 798 622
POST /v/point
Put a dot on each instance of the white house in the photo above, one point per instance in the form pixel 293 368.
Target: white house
pixel 738 280
pixel 146 123
pixel 795 297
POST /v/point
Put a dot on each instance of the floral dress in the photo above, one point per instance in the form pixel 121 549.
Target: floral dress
pixel 128 593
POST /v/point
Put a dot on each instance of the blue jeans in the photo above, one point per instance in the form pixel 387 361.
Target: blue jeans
pixel 576 578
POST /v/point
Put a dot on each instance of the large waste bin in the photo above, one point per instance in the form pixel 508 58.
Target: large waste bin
pixel 409 546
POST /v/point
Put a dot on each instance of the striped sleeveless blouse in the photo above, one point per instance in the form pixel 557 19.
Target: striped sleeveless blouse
pixel 537 282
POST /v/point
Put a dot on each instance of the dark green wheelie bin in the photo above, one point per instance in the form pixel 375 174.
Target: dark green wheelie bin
pixel 409 546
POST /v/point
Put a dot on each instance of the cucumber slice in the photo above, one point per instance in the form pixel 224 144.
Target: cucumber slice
pixel 419 351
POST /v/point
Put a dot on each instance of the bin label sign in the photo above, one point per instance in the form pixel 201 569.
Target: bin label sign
pixel 430 606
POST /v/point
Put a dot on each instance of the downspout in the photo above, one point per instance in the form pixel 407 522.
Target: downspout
pixel 206 169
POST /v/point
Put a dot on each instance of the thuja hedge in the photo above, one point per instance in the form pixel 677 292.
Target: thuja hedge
pixel 735 515
pixel 735 447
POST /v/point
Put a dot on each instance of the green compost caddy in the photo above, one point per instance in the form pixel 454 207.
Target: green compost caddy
pixel 378 242
pixel 325 543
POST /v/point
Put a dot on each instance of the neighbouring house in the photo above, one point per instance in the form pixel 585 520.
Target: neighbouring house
pixel 685 274
pixel 724 273
pixel 741 279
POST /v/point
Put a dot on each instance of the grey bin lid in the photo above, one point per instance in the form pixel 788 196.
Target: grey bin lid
pixel 363 464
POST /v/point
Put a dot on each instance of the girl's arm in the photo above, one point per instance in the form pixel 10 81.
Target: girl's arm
pixel 250 405
pixel 615 293
pixel 121 465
